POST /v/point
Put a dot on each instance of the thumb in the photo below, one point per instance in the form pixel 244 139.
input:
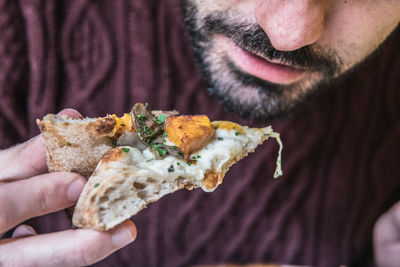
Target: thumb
pixel 387 228
pixel 387 238
pixel 27 159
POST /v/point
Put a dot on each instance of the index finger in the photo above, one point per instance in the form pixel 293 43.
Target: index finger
pixel 22 161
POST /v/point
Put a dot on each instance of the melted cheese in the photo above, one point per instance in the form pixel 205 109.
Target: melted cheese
pixel 227 125
pixel 219 153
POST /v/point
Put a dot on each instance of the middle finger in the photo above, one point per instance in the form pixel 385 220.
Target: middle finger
pixel 36 196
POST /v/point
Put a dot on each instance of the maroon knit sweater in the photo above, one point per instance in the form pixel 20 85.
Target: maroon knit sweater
pixel 341 155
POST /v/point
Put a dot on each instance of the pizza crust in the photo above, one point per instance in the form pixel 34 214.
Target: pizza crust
pixel 75 145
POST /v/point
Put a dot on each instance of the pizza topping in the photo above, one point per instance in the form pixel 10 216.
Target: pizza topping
pixel 131 139
pixel 161 119
pixel 145 123
pixel 143 129
pixel 189 133
pixel 150 130
pixel 160 149
pixel 167 113
pixel 171 168
pixel 104 126
pixel 123 124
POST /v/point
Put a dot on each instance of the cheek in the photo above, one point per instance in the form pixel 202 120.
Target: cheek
pixel 210 6
pixel 206 7
pixel 356 29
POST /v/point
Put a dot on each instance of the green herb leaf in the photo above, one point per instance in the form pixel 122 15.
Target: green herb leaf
pixel 161 118
pixel 237 133
pixel 189 163
pixel 114 143
pixel 149 160
pixel 96 185
pixel 194 158
pixel 125 149
pixel 158 145
pixel 161 151
pixel 178 163
pixel 220 138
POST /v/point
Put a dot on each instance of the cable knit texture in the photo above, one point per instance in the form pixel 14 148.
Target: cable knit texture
pixel 341 156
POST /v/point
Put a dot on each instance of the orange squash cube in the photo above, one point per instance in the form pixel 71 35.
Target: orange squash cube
pixel 189 133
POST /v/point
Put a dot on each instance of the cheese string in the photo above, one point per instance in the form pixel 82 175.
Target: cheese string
pixel 278 169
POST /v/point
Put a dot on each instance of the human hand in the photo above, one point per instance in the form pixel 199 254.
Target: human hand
pixel 26 191
pixel 387 238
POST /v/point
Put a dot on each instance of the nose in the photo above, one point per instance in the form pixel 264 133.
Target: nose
pixel 291 24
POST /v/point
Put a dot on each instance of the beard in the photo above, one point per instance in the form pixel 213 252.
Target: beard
pixel 249 96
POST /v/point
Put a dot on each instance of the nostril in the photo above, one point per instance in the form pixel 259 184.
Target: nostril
pixel 291 25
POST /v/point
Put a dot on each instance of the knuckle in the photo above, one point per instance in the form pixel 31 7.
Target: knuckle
pixel 85 255
pixel 83 258
pixel 45 198
pixel 4 214
pixel 3 221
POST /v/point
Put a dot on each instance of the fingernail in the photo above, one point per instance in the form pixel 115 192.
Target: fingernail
pixel 71 113
pixel 124 235
pixel 23 230
pixel 29 229
pixel 74 190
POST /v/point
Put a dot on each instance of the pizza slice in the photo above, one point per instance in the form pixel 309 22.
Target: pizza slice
pixel 134 160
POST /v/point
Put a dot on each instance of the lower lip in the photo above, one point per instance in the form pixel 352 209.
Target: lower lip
pixel 264 69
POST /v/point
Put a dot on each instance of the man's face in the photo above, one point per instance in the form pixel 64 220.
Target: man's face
pixel 262 58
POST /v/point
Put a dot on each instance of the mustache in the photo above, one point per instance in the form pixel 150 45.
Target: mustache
pixel 253 39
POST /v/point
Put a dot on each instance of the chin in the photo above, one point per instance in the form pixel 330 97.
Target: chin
pixel 251 97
